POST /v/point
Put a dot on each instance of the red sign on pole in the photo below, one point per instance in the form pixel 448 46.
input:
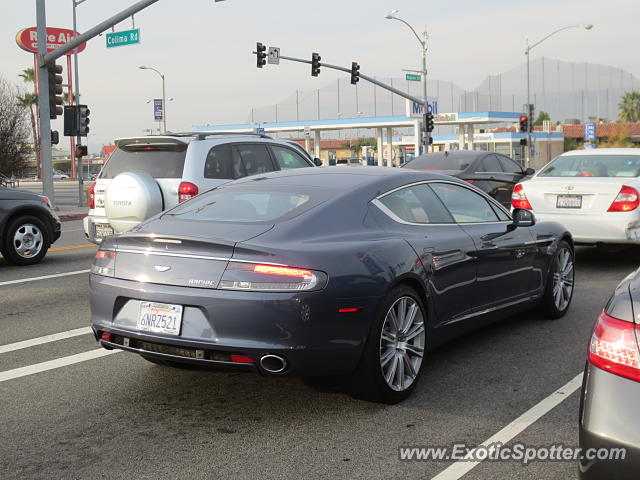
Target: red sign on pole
pixel 27 39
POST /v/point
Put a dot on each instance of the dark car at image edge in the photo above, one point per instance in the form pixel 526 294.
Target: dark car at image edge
pixel 353 272
pixel 28 226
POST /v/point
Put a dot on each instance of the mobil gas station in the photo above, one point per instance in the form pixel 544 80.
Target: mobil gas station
pixel 399 137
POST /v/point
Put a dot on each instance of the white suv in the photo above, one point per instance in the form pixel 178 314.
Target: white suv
pixel 147 175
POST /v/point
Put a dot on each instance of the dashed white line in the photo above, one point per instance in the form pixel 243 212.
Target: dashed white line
pixel 10 347
pixel 458 469
pixel 44 277
pixel 53 364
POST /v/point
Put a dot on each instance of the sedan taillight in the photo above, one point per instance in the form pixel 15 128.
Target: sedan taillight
pixel 519 199
pixel 626 201
pixel 104 263
pixel 186 190
pixel 265 277
pixel 614 348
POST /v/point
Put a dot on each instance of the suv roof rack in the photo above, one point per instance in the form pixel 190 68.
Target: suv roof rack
pixel 203 135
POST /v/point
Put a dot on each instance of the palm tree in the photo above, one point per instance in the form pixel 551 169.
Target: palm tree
pixel 630 107
pixel 31 100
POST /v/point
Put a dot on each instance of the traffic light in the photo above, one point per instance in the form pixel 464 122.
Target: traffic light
pixel 261 56
pixel 70 121
pixel 524 121
pixel 81 151
pixel 355 73
pixel 55 90
pixel 315 64
pixel 429 122
pixel 55 137
pixel 83 120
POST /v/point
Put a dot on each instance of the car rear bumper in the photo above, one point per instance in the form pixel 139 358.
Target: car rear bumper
pixel 89 225
pixel 609 227
pixel 303 328
pixel 609 419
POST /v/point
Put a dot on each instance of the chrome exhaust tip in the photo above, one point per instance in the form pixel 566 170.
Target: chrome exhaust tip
pixel 273 363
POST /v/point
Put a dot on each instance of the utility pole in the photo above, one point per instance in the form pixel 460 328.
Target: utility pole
pixel 77 102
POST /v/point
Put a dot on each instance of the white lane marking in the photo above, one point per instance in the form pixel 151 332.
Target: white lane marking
pixel 10 347
pixel 53 364
pixel 44 277
pixel 460 468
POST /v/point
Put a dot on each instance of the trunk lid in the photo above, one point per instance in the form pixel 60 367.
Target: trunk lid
pixel 573 195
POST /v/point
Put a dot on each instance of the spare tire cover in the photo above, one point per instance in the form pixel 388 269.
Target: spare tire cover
pixel 130 198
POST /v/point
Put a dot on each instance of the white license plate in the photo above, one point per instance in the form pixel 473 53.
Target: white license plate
pixel 103 230
pixel 160 318
pixel 569 201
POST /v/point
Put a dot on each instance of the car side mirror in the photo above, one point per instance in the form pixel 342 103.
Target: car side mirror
pixel 529 171
pixel 317 162
pixel 523 218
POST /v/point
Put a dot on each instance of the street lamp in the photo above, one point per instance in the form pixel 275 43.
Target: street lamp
pixel 586 26
pixel 423 45
pixel 164 98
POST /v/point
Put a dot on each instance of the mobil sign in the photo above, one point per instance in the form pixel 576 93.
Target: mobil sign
pixel 416 110
pixel 27 39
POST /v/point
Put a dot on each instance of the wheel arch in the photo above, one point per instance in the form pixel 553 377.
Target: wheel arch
pixel 27 211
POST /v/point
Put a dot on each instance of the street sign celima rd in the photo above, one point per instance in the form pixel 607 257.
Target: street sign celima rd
pixel 274 56
pixel 126 37
pixel 411 77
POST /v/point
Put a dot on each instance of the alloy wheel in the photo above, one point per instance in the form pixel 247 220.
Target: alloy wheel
pixel 27 240
pixel 402 343
pixel 563 279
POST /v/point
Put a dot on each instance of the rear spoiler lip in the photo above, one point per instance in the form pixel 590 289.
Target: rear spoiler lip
pixel 124 142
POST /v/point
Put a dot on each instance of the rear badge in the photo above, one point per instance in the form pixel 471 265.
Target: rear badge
pixel 162 268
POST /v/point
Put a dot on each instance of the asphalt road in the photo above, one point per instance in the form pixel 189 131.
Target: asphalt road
pixel 120 417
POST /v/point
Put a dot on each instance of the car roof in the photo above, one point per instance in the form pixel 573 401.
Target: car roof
pixel 603 151
pixel 186 138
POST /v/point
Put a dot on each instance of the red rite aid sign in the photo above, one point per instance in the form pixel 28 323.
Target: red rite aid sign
pixel 27 39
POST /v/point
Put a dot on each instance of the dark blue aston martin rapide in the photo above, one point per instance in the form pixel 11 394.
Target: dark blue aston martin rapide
pixel 325 271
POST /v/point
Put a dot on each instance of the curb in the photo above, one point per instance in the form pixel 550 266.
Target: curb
pixel 71 216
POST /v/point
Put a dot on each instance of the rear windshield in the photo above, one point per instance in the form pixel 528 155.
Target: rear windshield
pixel 440 161
pixel 159 161
pixel 593 166
pixel 248 205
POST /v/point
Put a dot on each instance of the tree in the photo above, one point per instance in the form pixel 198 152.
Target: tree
pixel 356 146
pixel 14 130
pixel 630 107
pixel 542 116
pixel 30 100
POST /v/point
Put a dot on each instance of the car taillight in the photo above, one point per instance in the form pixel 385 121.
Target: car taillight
pixel 614 348
pixel 104 263
pixel 186 190
pixel 519 199
pixel 91 196
pixel 265 277
pixel 626 200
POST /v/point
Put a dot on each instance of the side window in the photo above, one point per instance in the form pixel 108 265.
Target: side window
pixel 465 205
pixel 223 162
pixel 509 165
pixel 490 163
pixel 255 158
pixel 287 158
pixel 416 204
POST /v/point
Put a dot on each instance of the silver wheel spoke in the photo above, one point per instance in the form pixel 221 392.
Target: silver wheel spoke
pixel 386 356
pixel 414 332
pixel 417 351
pixel 410 317
pixel 407 362
pixel 391 372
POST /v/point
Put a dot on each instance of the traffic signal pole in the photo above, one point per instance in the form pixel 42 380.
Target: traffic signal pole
pixel 45 58
pixel 361 75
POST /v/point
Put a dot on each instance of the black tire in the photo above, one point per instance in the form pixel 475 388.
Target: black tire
pixel 549 304
pixel 368 382
pixel 11 250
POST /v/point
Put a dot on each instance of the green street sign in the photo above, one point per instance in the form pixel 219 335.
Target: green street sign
pixel 126 37
pixel 412 77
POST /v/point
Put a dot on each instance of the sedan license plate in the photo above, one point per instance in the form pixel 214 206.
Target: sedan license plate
pixel 569 201
pixel 160 318
pixel 103 230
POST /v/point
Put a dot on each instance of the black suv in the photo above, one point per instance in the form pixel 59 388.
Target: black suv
pixel 28 226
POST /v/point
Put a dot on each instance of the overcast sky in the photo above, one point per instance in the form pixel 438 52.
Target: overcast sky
pixel 204 49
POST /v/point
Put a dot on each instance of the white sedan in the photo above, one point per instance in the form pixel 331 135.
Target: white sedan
pixel 593 193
